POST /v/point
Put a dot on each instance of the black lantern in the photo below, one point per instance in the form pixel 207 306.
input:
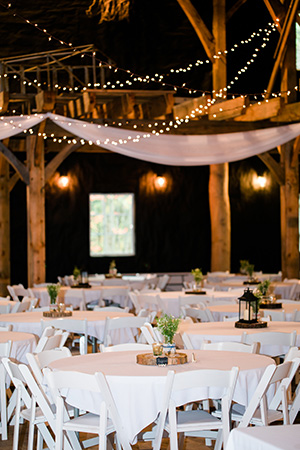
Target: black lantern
pixel 248 308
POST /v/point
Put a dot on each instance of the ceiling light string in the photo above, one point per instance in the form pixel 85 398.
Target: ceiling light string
pixel 136 78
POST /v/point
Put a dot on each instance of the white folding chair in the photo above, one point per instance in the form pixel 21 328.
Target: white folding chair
pixel 187 342
pixel 270 338
pixel 151 302
pixel 135 301
pixel 201 315
pixel 51 342
pixel 129 346
pixel 5 348
pixel 37 361
pixel 4 309
pixel 112 308
pixel 99 424
pixel 230 346
pixel 131 325
pixel 6 327
pixel 162 282
pixel 73 326
pixel 277 316
pixel 151 334
pixel 296 316
pixel 209 383
pixel 260 411
pixel 35 416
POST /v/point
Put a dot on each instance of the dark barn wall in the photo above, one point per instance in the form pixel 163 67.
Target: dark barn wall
pixel 172 228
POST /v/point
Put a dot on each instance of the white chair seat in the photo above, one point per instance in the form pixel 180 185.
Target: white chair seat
pixel 188 419
pixel 87 423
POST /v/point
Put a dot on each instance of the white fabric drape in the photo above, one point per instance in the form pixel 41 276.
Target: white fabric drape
pixel 173 150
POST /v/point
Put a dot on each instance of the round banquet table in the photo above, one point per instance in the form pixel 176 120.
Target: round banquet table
pixel 170 299
pixel 31 322
pixel 138 389
pixel 232 310
pixel 279 437
pixel 226 331
pixel 22 343
pixel 74 296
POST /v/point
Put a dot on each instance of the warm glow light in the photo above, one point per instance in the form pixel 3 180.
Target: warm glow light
pixel 259 182
pixel 63 182
pixel 160 182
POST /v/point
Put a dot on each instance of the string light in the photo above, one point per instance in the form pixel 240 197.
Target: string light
pixel 147 78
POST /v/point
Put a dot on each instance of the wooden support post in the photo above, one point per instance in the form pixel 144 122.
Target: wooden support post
pixel 289 196
pixel 219 173
pixel 4 226
pixel 36 209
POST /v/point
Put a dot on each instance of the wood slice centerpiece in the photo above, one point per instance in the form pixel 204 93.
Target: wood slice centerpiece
pixel 148 359
pixel 240 324
pixel 57 314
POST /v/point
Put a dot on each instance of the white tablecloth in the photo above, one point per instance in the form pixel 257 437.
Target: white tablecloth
pixel 22 343
pixel 170 299
pixel 226 331
pixel 74 296
pixel 137 389
pixel 31 322
pixel 277 437
pixel 232 310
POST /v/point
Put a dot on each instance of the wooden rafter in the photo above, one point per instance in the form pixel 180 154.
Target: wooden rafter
pixel 234 9
pixel 58 159
pixel 277 11
pixel 199 26
pixel 274 167
pixel 15 162
pixel 282 47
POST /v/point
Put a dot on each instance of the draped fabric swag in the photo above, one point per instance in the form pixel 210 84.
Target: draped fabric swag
pixel 173 150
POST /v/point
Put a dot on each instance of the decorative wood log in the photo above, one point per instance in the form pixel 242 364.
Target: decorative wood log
pixel 147 359
pixel 4 226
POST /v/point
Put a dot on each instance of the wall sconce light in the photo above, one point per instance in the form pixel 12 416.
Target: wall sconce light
pixel 259 182
pixel 63 182
pixel 160 183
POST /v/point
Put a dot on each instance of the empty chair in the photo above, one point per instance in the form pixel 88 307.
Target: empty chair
pixel 4 309
pixel 150 333
pixel 201 315
pixel 259 411
pixel 130 326
pixel 5 348
pixel 51 342
pixel 231 346
pixel 129 346
pixel 202 384
pixel 37 361
pixel 6 327
pixel 281 341
pixel 135 301
pixel 296 316
pixel 112 308
pixel 103 423
pixel 151 302
pixel 162 282
pixel 187 342
pixel 276 315
pixel 30 412
pixel 73 326
pixel 21 306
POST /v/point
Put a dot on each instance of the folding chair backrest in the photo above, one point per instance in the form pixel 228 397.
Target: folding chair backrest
pixel 129 346
pixel 112 410
pixel 135 301
pixel 231 346
pixel 6 327
pixel 38 361
pixel 127 322
pixel 48 343
pixel 4 309
pixel 272 374
pixel 198 314
pixel 187 342
pixel 271 338
pixel 71 325
pixel 12 293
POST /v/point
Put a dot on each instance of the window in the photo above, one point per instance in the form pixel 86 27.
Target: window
pixel 112 225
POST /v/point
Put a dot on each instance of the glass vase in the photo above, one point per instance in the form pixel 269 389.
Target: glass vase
pixel 169 349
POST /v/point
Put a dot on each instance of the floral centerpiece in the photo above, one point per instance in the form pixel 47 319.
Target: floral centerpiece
pixel 168 326
pixel 261 291
pixel 53 290
pixel 198 277
pixel 76 274
pixel 112 268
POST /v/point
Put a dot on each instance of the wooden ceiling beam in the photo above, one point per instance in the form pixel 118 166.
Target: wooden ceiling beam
pixel 58 159
pixel 234 9
pixel 277 12
pixel 274 167
pixel 261 110
pixel 199 26
pixel 15 162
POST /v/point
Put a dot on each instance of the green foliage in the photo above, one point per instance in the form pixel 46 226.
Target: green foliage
pixel 168 326
pixel 263 287
pixel 112 264
pixel 243 265
pixel 76 272
pixel 53 290
pixel 197 274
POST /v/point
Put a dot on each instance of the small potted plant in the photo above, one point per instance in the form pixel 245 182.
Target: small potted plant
pixel 76 275
pixel 112 268
pixel 243 266
pixel 53 290
pixel 198 278
pixel 168 326
pixel 262 292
